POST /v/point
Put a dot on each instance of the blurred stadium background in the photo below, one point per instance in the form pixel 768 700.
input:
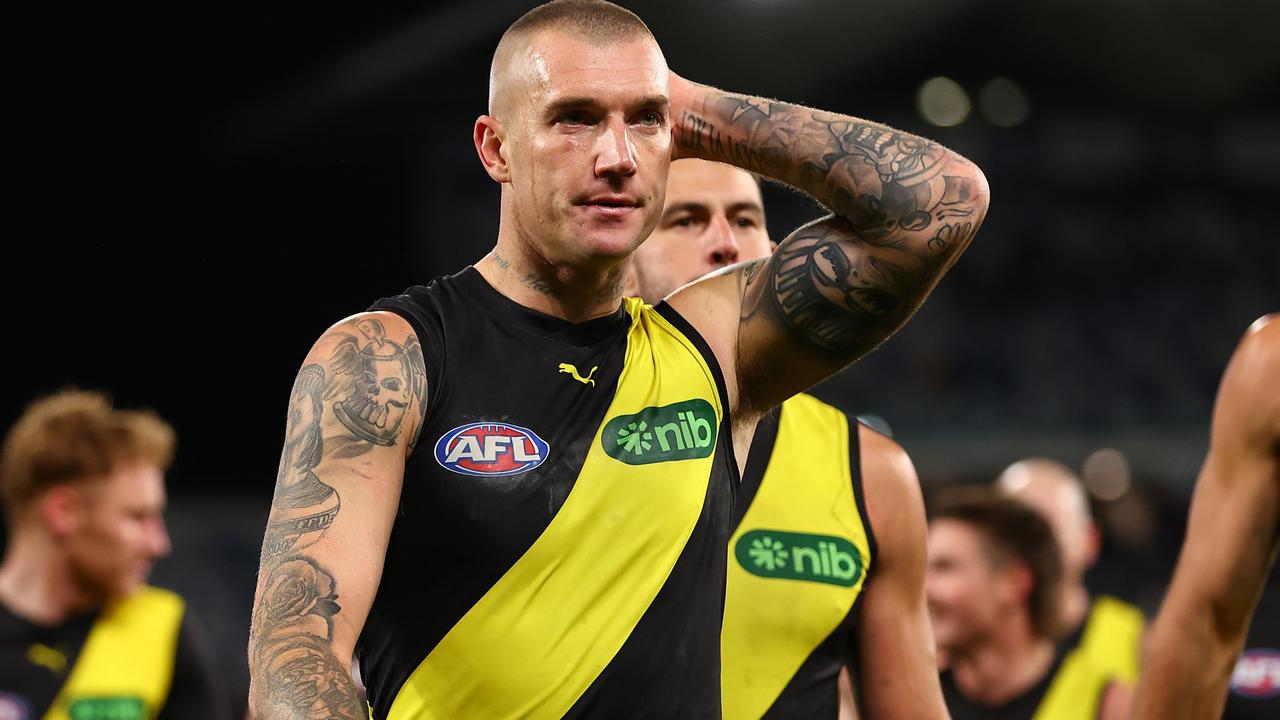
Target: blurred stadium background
pixel 200 190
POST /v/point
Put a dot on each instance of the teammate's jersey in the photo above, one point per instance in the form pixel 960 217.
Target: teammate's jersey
pixel 1105 649
pixel 134 659
pixel 559 547
pixel 798 560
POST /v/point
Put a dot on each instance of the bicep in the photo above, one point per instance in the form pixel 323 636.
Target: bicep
pixel 897 669
pixel 823 299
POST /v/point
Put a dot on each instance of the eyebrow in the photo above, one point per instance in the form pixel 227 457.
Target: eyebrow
pixel 696 206
pixel 573 103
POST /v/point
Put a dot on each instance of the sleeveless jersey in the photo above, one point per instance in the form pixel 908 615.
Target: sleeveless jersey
pixel 798 560
pixel 559 547
pixel 1103 650
pixel 117 662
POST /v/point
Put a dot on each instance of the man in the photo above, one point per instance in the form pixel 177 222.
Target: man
pixel 994 593
pixel 1103 635
pixel 81 634
pixel 1231 543
pixel 534 477
pixel 829 516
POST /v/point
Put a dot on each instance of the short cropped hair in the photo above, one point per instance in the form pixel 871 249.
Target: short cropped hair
pixel 1012 533
pixel 596 20
pixel 73 436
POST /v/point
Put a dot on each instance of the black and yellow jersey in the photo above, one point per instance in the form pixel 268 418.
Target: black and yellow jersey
pixel 1103 650
pixel 137 658
pixel 798 560
pixel 559 547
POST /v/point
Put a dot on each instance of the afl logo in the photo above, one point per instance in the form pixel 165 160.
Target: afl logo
pixel 13 707
pixel 490 448
pixel 1257 674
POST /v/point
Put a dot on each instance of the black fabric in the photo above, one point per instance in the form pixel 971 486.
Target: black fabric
pixel 30 685
pixel 1022 707
pixel 762 442
pixel 491 359
pixel 197 691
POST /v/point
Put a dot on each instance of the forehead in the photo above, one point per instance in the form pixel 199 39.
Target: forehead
pixel 131 484
pixel 710 183
pixel 557 65
pixel 954 539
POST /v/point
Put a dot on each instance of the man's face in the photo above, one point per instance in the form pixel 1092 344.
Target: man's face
pixel 119 531
pixel 713 217
pixel 588 144
pixel 967 595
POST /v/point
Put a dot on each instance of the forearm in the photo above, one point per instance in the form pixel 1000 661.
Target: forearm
pixel 1186 668
pixel 296 672
pixel 892 187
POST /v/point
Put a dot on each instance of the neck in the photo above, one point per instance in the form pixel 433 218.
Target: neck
pixel 36 582
pixel 1005 665
pixel 515 269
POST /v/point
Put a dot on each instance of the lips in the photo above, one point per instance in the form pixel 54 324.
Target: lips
pixel 612 205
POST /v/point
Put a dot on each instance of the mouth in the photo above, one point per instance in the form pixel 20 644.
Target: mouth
pixel 610 205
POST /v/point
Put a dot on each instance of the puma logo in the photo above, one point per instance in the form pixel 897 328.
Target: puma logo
pixel 573 371
pixel 45 656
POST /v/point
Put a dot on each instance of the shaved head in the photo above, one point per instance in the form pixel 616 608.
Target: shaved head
pixel 1057 493
pixel 594 21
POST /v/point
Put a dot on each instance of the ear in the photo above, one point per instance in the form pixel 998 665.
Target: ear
pixel 772 246
pixel 488 136
pixel 1021 580
pixel 1092 544
pixel 60 508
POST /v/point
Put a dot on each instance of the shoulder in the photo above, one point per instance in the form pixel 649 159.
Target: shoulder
pixel 1248 404
pixel 894 502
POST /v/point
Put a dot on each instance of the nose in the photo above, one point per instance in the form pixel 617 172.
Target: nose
pixel 722 246
pixel 615 157
pixel 159 539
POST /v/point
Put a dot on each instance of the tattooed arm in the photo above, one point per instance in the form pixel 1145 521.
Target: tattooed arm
pixel 1231 542
pixel 903 209
pixel 354 409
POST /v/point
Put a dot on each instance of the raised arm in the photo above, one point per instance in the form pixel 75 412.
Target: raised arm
pixel 353 412
pixel 896 672
pixel 1230 546
pixel 903 209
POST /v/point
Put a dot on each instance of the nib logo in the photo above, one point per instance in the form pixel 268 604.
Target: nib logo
pixel 680 431
pixel 799 556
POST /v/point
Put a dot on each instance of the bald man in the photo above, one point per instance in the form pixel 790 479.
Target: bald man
pixel 510 490
pixel 1102 635
pixel 1233 535
pixel 826 561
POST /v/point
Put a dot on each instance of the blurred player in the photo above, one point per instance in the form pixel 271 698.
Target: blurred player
pixel 81 634
pixel 826 563
pixel 1231 542
pixel 1103 635
pixel 994 592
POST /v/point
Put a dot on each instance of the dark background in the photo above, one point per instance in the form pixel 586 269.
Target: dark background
pixel 197 192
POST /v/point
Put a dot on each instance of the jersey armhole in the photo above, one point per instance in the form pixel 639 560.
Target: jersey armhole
pixel 859 499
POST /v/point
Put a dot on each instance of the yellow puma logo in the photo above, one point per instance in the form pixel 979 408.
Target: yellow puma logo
pixel 572 370
pixel 45 656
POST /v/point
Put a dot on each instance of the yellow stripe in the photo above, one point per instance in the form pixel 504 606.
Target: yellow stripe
pixel 543 633
pixel 771 625
pixel 128 654
pixel 1108 652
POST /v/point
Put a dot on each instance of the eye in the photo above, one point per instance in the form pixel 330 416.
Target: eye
pixel 574 117
pixel 651 118
pixel 684 222
pixel 743 222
